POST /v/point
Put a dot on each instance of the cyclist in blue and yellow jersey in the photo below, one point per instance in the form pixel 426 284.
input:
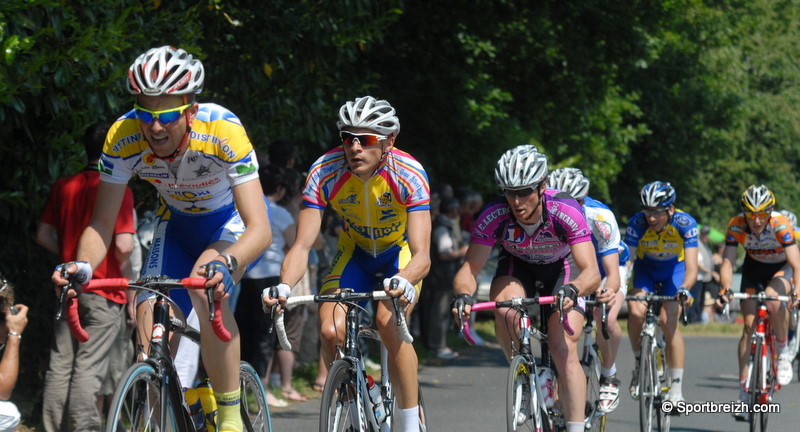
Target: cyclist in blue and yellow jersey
pixel 663 242
pixel 383 197
pixel 612 259
pixel 212 216
pixel 771 261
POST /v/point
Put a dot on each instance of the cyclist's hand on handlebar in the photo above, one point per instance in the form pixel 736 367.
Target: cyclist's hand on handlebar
pixel 404 288
pixel 219 277
pixel 462 307
pixel 604 295
pixel 272 296
pixel 685 296
pixel 77 271
pixel 569 293
pixel 725 296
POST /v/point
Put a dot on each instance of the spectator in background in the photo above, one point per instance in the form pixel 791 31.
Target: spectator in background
pixel 471 203
pixel 283 153
pixel 77 370
pixel 447 254
pixel 13 319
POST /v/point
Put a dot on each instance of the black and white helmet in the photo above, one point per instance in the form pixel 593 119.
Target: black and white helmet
pixel 569 180
pixel 165 71
pixel 370 113
pixel 757 199
pixel 791 216
pixel 657 194
pixel 520 167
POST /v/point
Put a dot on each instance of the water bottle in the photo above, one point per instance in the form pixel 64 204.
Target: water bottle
pixel 196 408
pixel 546 386
pixel 206 395
pixel 377 400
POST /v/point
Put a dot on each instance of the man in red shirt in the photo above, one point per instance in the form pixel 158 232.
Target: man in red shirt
pixel 77 370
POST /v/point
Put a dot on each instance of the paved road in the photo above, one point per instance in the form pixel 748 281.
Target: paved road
pixel 468 394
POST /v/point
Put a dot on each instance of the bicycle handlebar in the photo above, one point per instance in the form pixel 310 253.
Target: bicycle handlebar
pixel 662 298
pixel 514 303
pixel 760 296
pixel 341 296
pixel 116 284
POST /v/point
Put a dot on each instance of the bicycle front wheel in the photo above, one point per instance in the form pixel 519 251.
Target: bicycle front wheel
pixel 341 410
pixel 649 388
pixel 254 407
pixel 523 411
pixel 593 418
pixel 138 404
pixel 755 385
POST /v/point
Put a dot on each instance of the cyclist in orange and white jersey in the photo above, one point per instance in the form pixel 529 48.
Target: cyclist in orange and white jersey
pixel 772 259
pixel 212 215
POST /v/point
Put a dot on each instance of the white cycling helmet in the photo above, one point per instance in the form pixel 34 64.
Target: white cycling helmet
pixel 791 216
pixel 165 71
pixel 657 194
pixel 367 112
pixel 569 180
pixel 520 167
pixel 757 199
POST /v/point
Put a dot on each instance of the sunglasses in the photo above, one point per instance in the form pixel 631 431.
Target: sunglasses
pixel 164 117
pixel 519 193
pixel 365 139
pixel 757 215
pixel 654 212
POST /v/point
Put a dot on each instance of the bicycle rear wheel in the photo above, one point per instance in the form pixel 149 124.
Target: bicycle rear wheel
pixel 397 419
pixel 340 409
pixel 254 407
pixel 649 387
pixel 137 404
pixel 593 419
pixel 523 410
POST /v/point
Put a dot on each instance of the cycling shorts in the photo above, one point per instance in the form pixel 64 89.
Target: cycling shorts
pixel 646 276
pixel 540 279
pixel 179 240
pixel 354 268
pixel 756 275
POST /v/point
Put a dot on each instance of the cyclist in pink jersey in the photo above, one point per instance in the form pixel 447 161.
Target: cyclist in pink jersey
pixel 546 249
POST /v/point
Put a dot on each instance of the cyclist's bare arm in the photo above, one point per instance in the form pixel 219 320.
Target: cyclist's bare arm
pixel 123 249
pixel 309 223
pixel 419 243
pixel 726 268
pixel 465 281
pixel 793 258
pixel 589 278
pixel 249 200
pixel 611 266
pixel 690 258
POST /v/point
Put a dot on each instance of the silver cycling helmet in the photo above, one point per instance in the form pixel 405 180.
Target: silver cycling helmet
pixel 757 199
pixel 569 180
pixel 165 71
pixel 370 113
pixel 791 216
pixel 520 167
pixel 657 194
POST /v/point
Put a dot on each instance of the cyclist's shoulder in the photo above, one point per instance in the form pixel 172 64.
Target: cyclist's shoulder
pixel 124 138
pixel 493 213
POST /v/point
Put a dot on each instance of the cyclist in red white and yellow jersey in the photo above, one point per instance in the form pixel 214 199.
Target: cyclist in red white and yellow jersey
pixel 212 215
pixel 382 195
pixel 772 259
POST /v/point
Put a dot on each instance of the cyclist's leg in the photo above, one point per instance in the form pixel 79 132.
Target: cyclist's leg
pixel 564 349
pixel 670 318
pixel 344 273
pixel 609 384
pixel 779 316
pixel 642 284
pixel 505 320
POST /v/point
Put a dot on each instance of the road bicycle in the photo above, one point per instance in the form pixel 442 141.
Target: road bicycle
pixel 653 384
pixel 762 368
pixel 150 396
pixel 591 363
pixel 526 403
pixel 346 402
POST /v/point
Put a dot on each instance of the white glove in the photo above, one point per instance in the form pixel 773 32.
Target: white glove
pixel 284 290
pixel 409 292
pixel 84 273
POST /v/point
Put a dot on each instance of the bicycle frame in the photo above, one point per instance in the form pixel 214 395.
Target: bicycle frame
pixel 590 357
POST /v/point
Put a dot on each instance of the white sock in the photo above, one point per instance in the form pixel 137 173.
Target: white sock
pixel 675 378
pixel 575 427
pixel 782 346
pixel 410 418
pixel 608 372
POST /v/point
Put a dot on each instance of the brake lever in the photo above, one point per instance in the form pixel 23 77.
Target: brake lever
pixel 604 319
pixel 395 301
pixel 460 313
pixel 684 317
pixel 212 310
pixel 273 292
pixel 62 300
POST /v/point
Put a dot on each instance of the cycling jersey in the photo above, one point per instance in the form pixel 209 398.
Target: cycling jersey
pixel 374 212
pixel 766 247
pixel 665 248
pixel 563 225
pixel 374 215
pixel 606 237
pixel 219 155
